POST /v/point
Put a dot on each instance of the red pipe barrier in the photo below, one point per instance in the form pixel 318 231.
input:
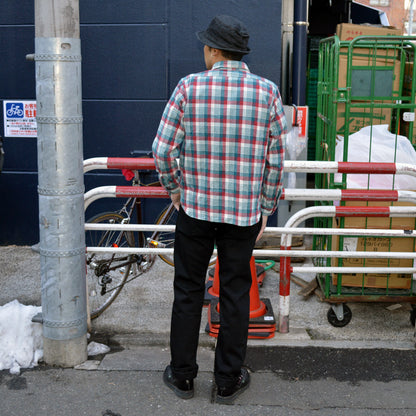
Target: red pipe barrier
pixel 369 195
pixel 366 167
pixel 130 163
pixel 141 192
pixel 362 211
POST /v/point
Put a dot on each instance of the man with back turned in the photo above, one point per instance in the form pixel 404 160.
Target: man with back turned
pixel 227 128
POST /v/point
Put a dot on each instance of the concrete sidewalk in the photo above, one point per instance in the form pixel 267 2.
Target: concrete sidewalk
pixel 141 313
pixel 364 369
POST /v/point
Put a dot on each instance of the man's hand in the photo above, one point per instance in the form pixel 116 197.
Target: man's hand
pixel 176 200
pixel 263 226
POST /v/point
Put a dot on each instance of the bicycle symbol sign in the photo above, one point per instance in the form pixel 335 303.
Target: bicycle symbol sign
pixel 19 118
pixel 14 110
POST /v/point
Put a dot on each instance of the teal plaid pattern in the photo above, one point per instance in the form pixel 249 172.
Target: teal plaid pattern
pixel 227 128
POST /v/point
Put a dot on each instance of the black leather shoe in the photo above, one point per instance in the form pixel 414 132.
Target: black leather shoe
pixel 182 388
pixel 226 395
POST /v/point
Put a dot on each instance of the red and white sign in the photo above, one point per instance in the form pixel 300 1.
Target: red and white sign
pixel 302 122
pixel 19 118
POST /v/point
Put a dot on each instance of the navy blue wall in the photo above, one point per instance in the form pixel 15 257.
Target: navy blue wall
pixel 133 54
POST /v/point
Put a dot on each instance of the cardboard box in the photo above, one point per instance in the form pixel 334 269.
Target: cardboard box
pixel 361 117
pixel 407 116
pixel 382 244
pixel 349 31
pixel 377 80
pixel 377 280
pixel 370 78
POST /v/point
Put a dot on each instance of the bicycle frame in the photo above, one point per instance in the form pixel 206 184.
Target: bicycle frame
pixel 136 203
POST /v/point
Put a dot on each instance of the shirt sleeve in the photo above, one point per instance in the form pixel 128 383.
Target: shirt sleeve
pixel 273 174
pixel 168 141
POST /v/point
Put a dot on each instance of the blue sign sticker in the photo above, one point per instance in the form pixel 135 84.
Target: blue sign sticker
pixel 14 110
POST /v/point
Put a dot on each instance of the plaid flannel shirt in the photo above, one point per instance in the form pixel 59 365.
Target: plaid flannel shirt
pixel 228 129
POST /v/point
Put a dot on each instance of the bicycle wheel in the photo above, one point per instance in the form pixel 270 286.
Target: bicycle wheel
pixel 107 272
pixel 167 239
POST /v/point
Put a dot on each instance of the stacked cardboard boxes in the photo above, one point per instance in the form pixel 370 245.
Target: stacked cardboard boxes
pixel 374 73
pixel 381 244
pixel 349 31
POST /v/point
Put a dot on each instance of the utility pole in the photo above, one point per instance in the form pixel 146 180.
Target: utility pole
pixel 410 27
pixel 300 38
pixel 61 182
pixel 287 50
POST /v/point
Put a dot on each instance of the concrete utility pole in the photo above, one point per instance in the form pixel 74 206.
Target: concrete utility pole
pixel 61 183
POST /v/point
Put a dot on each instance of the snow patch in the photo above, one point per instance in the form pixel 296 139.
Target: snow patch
pixel 21 342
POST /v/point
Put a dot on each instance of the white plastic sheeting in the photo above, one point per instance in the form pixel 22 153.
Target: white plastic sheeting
pixel 377 144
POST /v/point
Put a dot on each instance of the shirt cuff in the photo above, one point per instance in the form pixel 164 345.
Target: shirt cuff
pixel 266 212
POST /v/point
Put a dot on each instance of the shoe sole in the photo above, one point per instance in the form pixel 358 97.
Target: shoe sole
pixel 230 399
pixel 180 393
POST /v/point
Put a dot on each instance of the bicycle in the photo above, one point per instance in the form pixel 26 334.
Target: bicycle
pixel 107 274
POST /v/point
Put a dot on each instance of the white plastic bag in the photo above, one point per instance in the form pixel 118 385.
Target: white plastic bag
pixel 377 144
pixel 295 144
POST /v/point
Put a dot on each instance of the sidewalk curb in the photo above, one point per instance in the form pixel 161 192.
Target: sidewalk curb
pixel 297 338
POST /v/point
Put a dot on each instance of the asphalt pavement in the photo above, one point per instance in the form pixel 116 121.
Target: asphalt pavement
pixel 365 368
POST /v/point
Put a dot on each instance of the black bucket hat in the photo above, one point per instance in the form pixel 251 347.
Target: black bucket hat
pixel 226 33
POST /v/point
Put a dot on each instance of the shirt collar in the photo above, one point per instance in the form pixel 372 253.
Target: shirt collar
pixel 235 65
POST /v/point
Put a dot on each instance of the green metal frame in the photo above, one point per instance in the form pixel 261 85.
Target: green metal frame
pixel 375 68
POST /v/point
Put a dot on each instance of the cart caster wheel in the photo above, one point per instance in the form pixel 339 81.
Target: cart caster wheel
pixel 333 318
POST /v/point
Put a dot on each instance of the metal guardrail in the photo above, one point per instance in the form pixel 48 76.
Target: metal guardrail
pixel 287 194
pixel 288 166
pixel 291 227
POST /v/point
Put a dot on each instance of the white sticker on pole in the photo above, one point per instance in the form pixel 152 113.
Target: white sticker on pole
pixel 408 116
pixel 19 118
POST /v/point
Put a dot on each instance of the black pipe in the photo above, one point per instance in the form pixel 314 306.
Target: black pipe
pixel 299 52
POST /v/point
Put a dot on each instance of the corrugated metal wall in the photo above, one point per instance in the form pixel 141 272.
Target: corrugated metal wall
pixel 133 54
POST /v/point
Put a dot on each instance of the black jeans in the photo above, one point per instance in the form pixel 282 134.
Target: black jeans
pixel 194 243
